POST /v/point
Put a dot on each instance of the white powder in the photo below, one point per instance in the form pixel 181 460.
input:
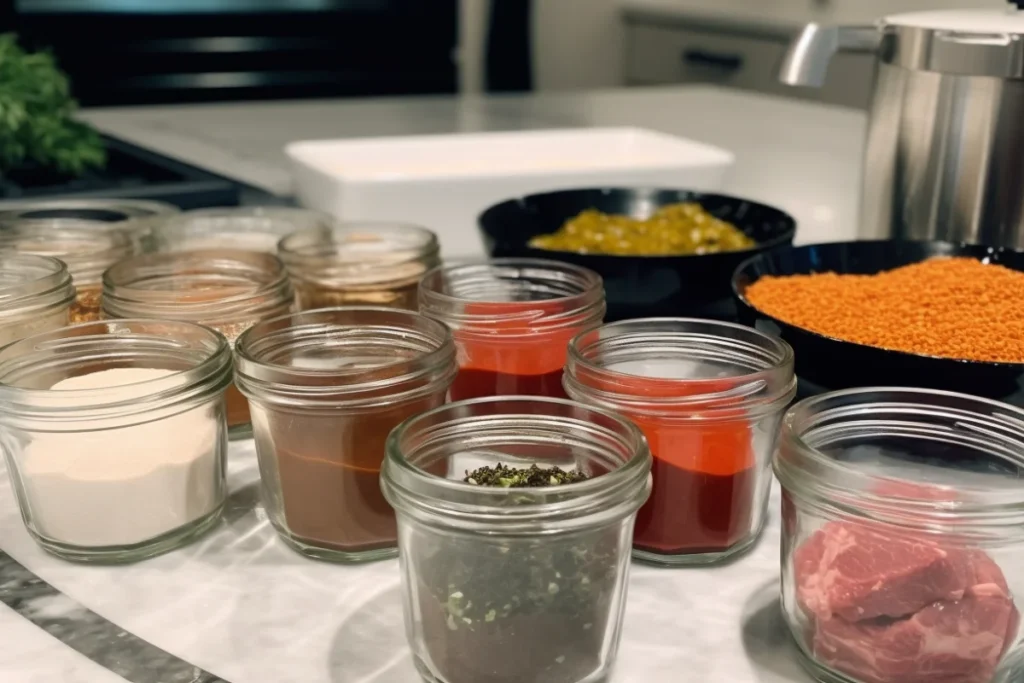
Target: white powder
pixel 125 485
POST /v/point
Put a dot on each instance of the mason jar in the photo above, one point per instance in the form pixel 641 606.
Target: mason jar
pixel 114 436
pixel 709 397
pixel 136 217
pixel 226 289
pixel 35 295
pixel 254 228
pixel 903 535
pixel 515 584
pixel 86 252
pixel 359 263
pixel 325 388
pixel 512 320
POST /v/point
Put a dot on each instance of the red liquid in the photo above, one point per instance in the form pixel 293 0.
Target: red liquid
pixel 472 383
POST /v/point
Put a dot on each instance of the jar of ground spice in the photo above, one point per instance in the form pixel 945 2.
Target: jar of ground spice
pixel 114 435
pixel 36 295
pixel 364 264
pixel 709 397
pixel 512 320
pixel 226 289
pixel 254 228
pixel 516 518
pixel 325 388
pixel 86 251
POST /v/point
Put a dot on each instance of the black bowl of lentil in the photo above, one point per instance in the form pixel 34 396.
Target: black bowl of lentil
pixel 695 285
pixel 959 309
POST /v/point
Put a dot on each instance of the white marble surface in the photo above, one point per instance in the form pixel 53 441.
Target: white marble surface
pixel 242 606
pixel 800 156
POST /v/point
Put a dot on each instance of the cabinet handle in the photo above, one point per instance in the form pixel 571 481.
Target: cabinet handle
pixel 713 60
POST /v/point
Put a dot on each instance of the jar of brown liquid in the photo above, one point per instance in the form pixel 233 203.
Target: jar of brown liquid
pixel 361 263
pixel 325 388
pixel 87 248
pixel 226 289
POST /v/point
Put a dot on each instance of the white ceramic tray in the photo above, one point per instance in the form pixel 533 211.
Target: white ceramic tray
pixel 444 181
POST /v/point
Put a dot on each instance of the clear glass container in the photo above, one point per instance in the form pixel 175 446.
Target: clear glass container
pixel 228 290
pixel 903 536
pixel 255 228
pixel 503 585
pixel 86 249
pixel 137 217
pixel 326 387
pixel 709 397
pixel 114 436
pixel 35 295
pixel 512 320
pixel 364 264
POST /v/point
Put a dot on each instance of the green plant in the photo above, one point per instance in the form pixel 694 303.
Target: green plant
pixel 36 108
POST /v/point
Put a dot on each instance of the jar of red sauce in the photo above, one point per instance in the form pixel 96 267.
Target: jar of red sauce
pixel 512 320
pixel 709 397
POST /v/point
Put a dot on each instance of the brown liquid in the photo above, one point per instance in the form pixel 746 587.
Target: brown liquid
pixel 310 297
pixel 329 471
pixel 237 407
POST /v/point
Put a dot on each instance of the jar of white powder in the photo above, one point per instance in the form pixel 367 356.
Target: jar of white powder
pixel 35 295
pixel 114 435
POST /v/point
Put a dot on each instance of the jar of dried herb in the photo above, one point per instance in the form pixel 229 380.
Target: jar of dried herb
pixel 226 289
pixel 515 519
pixel 359 264
pixel 326 387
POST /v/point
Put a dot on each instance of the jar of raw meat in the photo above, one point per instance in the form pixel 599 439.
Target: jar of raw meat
pixel 36 295
pixel 515 516
pixel 903 535
pixel 254 228
pixel 359 264
pixel 512 320
pixel 709 397
pixel 325 388
pixel 226 289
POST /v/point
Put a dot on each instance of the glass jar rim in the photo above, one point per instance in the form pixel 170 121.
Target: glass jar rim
pixel 387 383
pixel 88 343
pixel 263 287
pixel 39 283
pixel 616 493
pixel 582 303
pixel 86 208
pixel 807 472
pixel 277 220
pixel 762 390
pixel 87 248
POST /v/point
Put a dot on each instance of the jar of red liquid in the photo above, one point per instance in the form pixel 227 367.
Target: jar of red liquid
pixel 512 320
pixel 709 397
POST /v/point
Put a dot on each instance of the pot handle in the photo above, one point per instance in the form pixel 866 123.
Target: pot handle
pixel 807 59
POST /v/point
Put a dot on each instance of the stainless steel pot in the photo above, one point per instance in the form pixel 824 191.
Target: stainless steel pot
pixel 945 145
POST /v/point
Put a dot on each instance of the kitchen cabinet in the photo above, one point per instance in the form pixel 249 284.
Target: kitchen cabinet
pixel 663 54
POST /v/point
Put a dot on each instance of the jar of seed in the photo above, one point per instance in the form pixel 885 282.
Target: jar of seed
pixel 364 263
pixel 226 289
pixel 257 228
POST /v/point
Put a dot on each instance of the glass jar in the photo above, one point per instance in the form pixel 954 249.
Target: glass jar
pixel 515 584
pixel 903 535
pixel 365 263
pixel 226 289
pixel 325 388
pixel 254 228
pixel 114 436
pixel 512 320
pixel 709 397
pixel 84 249
pixel 135 217
pixel 35 295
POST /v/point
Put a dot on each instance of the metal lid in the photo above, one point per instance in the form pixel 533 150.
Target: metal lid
pixel 966 42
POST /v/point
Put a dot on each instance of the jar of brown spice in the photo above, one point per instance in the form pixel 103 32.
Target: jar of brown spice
pixel 325 388
pixel 360 263
pixel 86 249
pixel 226 289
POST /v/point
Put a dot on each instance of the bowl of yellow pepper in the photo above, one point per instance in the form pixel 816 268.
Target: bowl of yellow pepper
pixel 661 252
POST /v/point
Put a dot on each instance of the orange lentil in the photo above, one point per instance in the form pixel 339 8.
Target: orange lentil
pixel 948 307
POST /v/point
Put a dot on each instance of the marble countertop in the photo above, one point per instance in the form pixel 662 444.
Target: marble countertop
pixel 238 606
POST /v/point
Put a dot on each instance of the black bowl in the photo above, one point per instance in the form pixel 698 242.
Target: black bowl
pixel 640 286
pixel 825 364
